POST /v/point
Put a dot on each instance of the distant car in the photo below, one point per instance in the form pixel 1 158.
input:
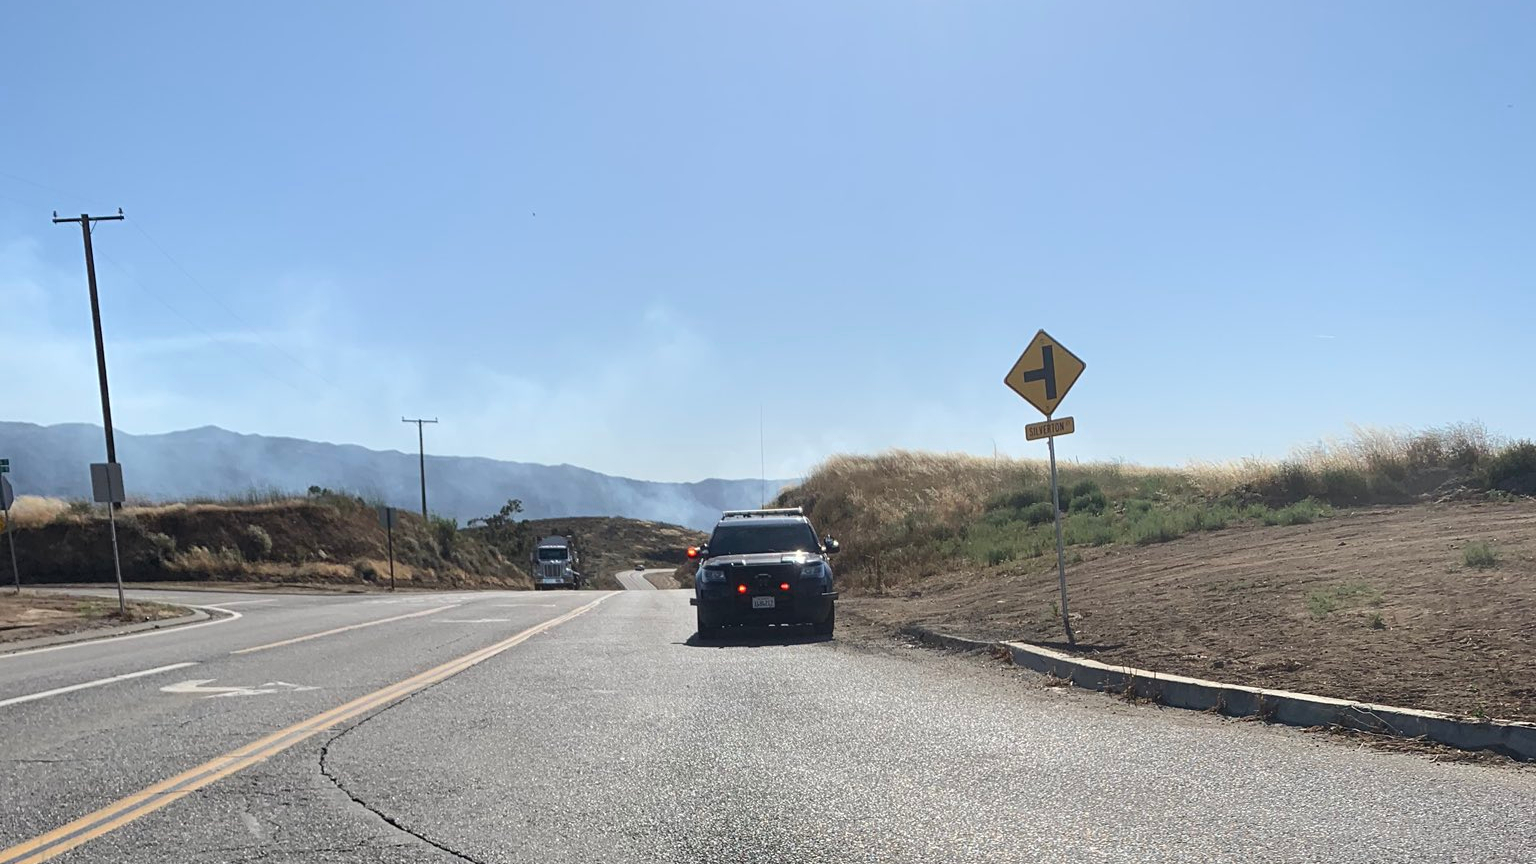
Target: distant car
pixel 639 566
pixel 763 567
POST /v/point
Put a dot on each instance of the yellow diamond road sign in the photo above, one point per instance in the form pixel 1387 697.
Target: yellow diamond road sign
pixel 1045 372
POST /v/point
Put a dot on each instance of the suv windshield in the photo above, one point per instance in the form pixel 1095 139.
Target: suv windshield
pixel 552 553
pixel 746 539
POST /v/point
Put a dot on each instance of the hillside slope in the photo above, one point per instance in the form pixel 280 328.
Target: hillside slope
pixel 213 463
pixel 331 539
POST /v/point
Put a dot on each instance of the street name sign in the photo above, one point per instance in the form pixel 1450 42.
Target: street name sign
pixel 1049 429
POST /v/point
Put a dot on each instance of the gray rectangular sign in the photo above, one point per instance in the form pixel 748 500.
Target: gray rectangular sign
pixel 107 482
pixel 7 495
pixel 387 517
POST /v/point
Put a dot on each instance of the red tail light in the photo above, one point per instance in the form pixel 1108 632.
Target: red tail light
pixel 693 551
pixel 783 586
pixel 741 589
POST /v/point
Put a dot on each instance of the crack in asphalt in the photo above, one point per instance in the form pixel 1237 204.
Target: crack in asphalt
pixel 325 771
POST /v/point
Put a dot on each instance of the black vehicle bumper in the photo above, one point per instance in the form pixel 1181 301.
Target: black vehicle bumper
pixel 737 610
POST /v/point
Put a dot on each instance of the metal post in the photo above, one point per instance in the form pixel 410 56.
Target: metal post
pixel 117 566
pixel 390 531
pixel 10 533
pixel 1061 562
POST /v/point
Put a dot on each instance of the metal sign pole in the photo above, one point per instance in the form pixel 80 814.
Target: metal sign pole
pixel 391 532
pixel 10 535
pixel 117 565
pixel 1061 563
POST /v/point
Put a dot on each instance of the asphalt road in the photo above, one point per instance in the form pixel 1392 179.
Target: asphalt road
pixel 442 730
pixel 635 580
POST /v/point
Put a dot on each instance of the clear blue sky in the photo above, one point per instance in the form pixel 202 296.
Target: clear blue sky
pixel 1258 223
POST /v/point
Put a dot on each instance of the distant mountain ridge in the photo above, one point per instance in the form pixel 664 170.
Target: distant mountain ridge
pixel 214 462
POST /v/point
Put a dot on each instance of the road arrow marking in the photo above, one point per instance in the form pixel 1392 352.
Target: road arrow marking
pixel 198 687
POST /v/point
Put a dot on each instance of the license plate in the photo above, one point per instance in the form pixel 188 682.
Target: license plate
pixel 762 602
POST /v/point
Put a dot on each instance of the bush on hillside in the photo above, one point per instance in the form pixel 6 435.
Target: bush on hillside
pixel 1512 469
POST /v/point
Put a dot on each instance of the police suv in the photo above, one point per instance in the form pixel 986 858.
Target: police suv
pixel 764 567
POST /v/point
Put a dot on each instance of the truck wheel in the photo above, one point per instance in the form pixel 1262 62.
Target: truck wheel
pixel 706 632
pixel 824 628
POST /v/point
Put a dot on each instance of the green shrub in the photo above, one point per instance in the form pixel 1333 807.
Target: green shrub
pixel 1300 513
pixel 998 555
pixel 1020 500
pixel 1480 555
pixel 1086 529
pixel 1344 485
pixel 444 532
pixel 1092 501
pixel 255 543
pixel 1512 469
pixel 1086 487
pixel 1038 514
pixel 1321 603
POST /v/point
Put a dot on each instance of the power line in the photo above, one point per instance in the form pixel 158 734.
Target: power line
pixel 212 337
pixel 227 308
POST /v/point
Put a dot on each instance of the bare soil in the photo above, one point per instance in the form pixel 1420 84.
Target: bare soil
pixel 30 616
pixel 1374 605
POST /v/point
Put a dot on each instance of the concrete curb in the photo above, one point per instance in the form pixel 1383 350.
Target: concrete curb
pixel 193 617
pixel 1511 738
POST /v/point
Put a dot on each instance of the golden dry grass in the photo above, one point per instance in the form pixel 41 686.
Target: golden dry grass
pixel 912 511
pixel 31 511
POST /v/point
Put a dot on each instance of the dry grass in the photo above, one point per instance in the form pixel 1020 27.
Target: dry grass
pixel 902 514
pixel 32 511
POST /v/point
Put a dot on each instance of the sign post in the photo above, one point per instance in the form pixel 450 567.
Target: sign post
pixel 8 497
pixel 1042 375
pixel 107 488
pixel 387 519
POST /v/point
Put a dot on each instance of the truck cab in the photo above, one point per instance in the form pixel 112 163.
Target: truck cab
pixel 554 563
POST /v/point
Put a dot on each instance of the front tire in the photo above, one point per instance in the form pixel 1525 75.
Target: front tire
pixel 825 627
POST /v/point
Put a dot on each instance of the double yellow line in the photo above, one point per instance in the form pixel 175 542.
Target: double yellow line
pixel 152 798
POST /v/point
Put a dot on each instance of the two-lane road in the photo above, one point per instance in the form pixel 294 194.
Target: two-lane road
pixel 589 726
pixel 639 580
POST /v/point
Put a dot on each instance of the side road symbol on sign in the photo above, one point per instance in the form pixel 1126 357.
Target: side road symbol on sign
pixel 1044 373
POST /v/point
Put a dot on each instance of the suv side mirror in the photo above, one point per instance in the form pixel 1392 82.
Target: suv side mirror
pixel 831 545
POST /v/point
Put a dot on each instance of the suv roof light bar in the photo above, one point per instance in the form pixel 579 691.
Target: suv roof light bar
pixel 782 511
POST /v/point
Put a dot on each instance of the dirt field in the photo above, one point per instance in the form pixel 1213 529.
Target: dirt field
pixel 1379 605
pixel 30 616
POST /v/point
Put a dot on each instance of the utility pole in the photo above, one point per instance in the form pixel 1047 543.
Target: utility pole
pixel 421 451
pixel 85 221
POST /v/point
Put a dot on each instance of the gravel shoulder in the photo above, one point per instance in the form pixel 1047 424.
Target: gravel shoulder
pixel 1377 605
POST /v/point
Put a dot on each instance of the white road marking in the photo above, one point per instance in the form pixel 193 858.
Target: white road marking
pixel 248 602
pixel 336 630
pixel 473 620
pixel 525 605
pixel 197 687
pixel 181 628
pixel 17 700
